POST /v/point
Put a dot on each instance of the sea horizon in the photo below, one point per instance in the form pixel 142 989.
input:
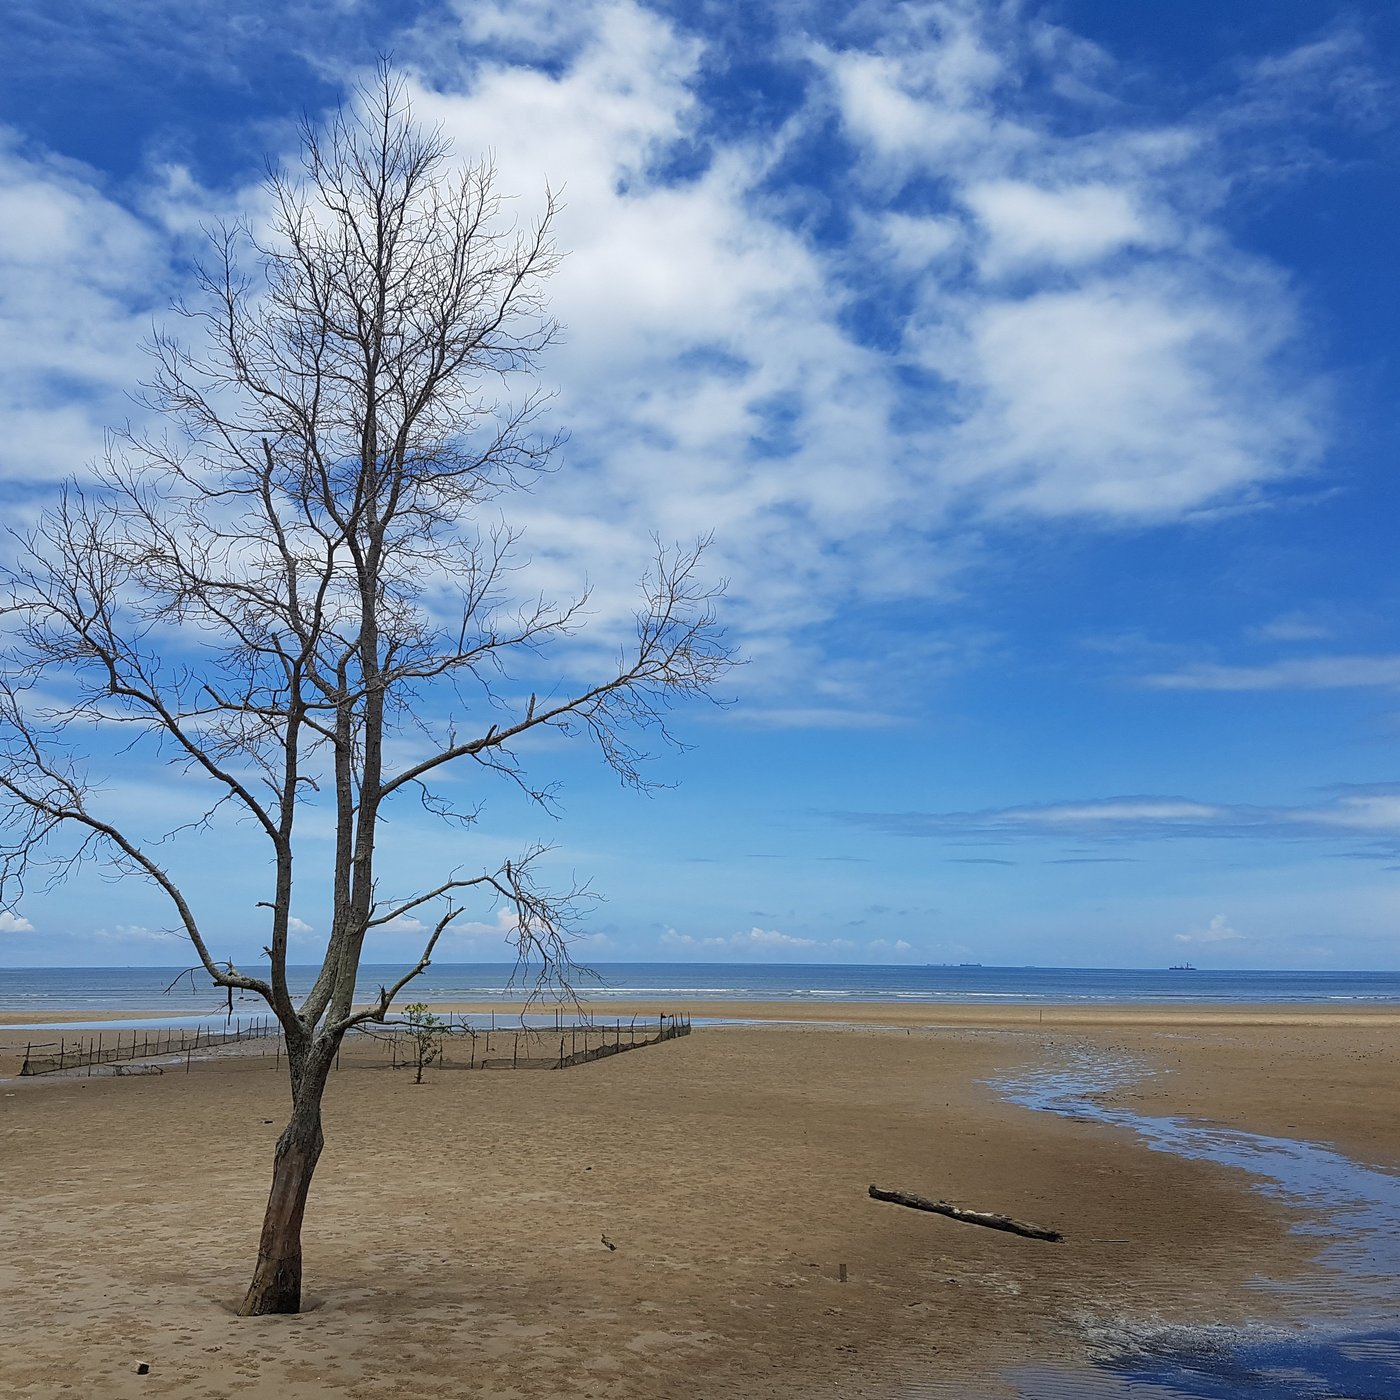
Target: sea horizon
pixel 117 989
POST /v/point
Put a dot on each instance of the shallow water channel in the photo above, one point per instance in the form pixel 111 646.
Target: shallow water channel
pixel 1339 1334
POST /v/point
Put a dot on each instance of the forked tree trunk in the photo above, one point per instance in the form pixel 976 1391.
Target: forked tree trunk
pixel 276 1285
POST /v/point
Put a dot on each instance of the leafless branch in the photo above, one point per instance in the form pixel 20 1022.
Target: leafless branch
pixel 292 579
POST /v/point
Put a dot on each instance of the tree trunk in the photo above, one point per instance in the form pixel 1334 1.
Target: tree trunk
pixel 276 1285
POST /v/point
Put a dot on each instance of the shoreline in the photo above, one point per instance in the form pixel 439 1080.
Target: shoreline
pixel 953 1014
pixel 820 1011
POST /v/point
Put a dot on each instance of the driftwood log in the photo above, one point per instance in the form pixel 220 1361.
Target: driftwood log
pixel 968 1217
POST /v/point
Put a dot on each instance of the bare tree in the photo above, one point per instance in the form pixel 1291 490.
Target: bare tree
pixel 297 569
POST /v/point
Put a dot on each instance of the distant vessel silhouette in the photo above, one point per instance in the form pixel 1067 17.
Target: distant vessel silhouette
pixel 1182 967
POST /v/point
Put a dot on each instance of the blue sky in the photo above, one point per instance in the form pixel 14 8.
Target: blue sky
pixel 1033 366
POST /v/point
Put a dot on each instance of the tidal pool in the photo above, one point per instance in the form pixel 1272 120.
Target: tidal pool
pixel 1339 1338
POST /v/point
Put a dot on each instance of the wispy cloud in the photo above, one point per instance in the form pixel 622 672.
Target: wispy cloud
pixel 833 407
pixel 1290 673
pixel 80 278
pixel 1091 860
pixel 1107 242
pixel 228 42
pixel 1291 627
pixel 1332 77
pixel 774 944
pixel 814 717
pixel 1356 811
pixel 835 404
pixel 135 935
pixel 752 940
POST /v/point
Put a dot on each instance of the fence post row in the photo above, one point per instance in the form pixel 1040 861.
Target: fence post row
pixel 144 1044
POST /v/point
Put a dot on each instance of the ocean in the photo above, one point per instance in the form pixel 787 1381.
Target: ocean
pixel 117 989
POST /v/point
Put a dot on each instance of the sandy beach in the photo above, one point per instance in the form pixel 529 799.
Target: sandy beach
pixel 454 1239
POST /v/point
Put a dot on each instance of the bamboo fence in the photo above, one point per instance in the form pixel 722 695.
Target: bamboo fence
pixel 124 1047
pixel 456 1043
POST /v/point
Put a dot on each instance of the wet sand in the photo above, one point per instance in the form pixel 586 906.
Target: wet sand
pixel 454 1238
pixel 852 1012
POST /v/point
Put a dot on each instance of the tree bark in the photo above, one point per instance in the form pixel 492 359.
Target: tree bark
pixel 276 1285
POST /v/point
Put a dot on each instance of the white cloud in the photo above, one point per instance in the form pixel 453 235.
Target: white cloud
pixel 1126 397
pixel 769 938
pixel 11 922
pixel 884 947
pixel 816 717
pixel 918 241
pixel 1026 224
pixel 711 380
pixel 714 375
pixel 80 279
pixel 1368 812
pixel 405 923
pixel 925 100
pixel 504 926
pixel 706 380
pixel 296 925
pixel 1362 813
pixel 765 943
pixel 1117 811
pixel 753 940
pixel 1217 931
pixel 1135 369
pixel 137 934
